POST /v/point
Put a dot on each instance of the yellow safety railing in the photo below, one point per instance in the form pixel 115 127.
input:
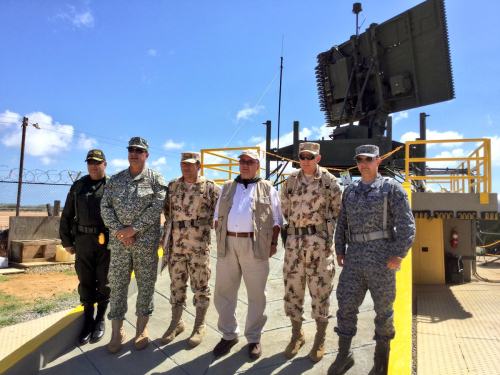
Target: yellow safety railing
pixel 230 165
pixel 472 174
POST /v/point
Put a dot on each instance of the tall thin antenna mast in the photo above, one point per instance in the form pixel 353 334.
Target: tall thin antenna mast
pixel 281 78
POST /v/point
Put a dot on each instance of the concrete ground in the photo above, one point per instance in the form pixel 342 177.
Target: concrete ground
pixel 178 358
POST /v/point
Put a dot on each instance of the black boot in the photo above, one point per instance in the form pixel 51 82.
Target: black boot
pixel 99 324
pixel 88 313
pixel 381 359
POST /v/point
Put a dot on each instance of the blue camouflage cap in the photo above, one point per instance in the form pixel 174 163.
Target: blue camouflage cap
pixel 367 150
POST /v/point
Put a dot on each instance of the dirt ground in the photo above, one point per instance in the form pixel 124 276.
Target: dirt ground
pixel 32 287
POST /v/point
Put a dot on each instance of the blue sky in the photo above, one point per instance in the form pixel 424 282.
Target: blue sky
pixel 186 75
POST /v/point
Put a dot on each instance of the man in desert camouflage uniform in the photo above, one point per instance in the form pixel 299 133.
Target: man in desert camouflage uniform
pixel 310 201
pixel 190 203
pixel 131 209
pixel 376 226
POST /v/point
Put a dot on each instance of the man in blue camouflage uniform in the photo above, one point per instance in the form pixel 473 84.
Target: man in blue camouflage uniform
pixel 378 236
pixel 131 209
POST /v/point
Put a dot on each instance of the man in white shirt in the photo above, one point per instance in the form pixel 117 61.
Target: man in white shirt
pixel 247 220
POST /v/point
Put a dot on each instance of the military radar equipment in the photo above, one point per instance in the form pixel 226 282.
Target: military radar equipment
pixel 400 64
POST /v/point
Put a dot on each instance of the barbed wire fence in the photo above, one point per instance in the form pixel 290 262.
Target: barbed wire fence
pixel 39 188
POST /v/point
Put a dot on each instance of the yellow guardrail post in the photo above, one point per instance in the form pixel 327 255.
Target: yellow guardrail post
pixel 400 360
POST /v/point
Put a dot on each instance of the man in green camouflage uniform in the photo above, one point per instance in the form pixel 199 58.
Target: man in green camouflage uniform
pixel 190 203
pixel 375 230
pixel 131 209
pixel 310 201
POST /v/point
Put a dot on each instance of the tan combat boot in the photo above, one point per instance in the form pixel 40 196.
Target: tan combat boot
pixel 298 339
pixel 199 327
pixel 141 332
pixel 318 349
pixel 117 336
pixel 176 326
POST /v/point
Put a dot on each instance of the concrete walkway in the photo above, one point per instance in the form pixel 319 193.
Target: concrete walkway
pixel 178 358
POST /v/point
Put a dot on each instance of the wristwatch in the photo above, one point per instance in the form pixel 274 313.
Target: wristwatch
pixel 274 244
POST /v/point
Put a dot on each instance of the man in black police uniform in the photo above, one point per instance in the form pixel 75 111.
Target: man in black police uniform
pixel 83 232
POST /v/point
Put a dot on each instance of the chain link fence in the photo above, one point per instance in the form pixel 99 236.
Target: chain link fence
pixel 34 199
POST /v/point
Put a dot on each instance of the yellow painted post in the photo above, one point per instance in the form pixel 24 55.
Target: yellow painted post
pixel 401 347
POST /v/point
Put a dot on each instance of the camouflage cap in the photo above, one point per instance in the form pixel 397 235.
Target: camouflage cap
pixel 95 155
pixel 250 153
pixel 311 147
pixel 367 150
pixel 190 157
pixel 138 142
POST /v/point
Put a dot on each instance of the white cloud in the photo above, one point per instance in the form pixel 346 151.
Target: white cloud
pixel 456 153
pixel 152 52
pixel 171 145
pixel 85 143
pixel 256 140
pixel 435 135
pixel 9 118
pixel 46 160
pixel 79 18
pixel 489 121
pixel 160 161
pixel 396 117
pixel 119 163
pixel 50 140
pixel 247 112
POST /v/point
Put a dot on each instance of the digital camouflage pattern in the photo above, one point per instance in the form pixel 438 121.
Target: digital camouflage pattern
pixel 309 258
pixel 190 252
pixel 363 210
pixel 138 202
pixel 365 262
pixel 351 291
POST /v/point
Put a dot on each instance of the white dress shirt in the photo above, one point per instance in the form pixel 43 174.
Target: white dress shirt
pixel 240 218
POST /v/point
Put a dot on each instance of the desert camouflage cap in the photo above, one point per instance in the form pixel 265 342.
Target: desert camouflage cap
pixel 139 143
pixel 190 157
pixel 311 147
pixel 250 153
pixel 95 155
pixel 367 150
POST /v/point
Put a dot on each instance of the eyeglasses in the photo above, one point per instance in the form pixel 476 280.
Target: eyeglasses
pixel 307 157
pixel 368 159
pixel 94 162
pixel 246 162
pixel 136 150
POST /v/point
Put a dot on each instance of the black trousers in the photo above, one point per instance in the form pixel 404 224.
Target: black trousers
pixel 92 266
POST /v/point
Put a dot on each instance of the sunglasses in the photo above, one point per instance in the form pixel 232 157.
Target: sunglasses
pixel 307 157
pixel 94 162
pixel 246 162
pixel 136 150
pixel 368 159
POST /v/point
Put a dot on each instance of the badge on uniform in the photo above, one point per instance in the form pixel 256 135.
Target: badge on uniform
pixel 345 177
pixel 264 200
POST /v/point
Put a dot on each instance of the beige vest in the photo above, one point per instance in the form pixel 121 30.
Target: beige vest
pixel 262 219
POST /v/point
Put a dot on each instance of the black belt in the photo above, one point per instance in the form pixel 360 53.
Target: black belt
pixel 190 223
pixel 312 229
pixel 90 230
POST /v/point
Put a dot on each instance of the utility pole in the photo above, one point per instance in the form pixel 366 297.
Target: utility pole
pixel 20 183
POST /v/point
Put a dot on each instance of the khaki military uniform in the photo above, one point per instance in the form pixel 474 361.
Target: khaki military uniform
pixel 309 257
pixel 193 211
pixel 138 202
